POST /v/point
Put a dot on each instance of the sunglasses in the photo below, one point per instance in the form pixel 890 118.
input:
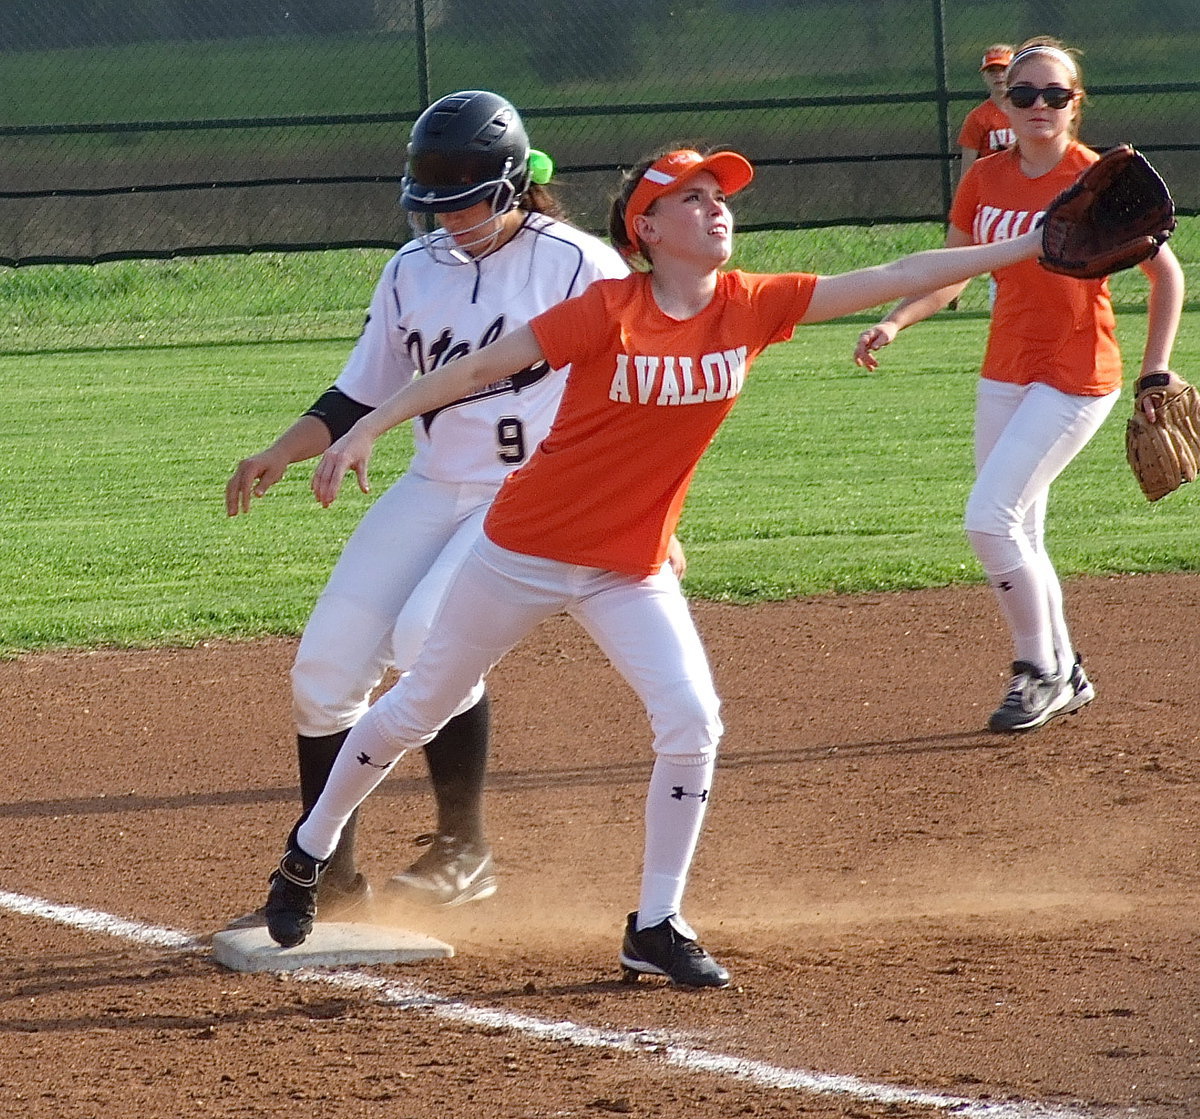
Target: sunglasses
pixel 1055 96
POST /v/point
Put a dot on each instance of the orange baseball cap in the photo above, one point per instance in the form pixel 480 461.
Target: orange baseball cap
pixel 669 172
pixel 996 56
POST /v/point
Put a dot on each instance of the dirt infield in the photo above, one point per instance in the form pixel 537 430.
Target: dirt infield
pixel 904 900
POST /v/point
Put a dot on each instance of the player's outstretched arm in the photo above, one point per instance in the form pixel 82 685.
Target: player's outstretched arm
pixel 916 274
pixel 454 381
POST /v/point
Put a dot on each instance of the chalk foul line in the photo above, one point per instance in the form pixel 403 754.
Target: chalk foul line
pixel 654 1044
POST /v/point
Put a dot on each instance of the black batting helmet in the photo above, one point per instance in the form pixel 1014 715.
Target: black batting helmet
pixel 466 148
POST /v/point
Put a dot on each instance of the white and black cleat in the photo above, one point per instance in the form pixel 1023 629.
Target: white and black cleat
pixel 1033 699
pixel 668 949
pixel 451 873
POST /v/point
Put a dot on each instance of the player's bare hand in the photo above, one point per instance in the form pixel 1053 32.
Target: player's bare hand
pixel 675 557
pixel 350 453
pixel 252 478
pixel 872 339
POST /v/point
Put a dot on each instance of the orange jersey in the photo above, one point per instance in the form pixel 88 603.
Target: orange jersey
pixel 986 129
pixel 644 398
pixel 1045 327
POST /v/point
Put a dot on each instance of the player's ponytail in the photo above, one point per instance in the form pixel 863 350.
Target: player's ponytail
pixel 540 199
pixel 635 253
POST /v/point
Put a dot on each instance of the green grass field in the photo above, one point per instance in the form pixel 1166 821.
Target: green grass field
pixel 321 295
pixel 824 479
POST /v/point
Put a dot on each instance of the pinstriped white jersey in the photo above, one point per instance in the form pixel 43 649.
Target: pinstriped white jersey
pixel 424 314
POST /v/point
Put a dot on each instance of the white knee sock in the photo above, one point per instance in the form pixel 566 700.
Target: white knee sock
pixel 1064 647
pixel 1018 579
pixel 675 805
pixel 350 782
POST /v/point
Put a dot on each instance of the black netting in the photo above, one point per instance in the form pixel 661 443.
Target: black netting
pixel 161 127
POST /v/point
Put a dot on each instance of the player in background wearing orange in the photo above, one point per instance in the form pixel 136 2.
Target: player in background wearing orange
pixel 657 361
pixel 986 128
pixel 1051 374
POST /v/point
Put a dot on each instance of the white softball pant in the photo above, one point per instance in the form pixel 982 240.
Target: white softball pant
pixel 381 598
pixel 1025 435
pixel 497 597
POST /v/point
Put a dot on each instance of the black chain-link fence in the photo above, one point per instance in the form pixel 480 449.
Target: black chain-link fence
pixel 158 128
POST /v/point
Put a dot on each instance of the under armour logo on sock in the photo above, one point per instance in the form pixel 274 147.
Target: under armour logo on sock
pixel 365 759
pixel 677 793
pixel 1004 585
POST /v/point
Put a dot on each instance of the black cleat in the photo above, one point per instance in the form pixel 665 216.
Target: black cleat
pixel 291 904
pixel 1032 699
pixel 450 873
pixel 335 901
pixel 669 948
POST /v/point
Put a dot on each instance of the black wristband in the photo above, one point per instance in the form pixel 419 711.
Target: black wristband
pixel 1153 381
pixel 338 412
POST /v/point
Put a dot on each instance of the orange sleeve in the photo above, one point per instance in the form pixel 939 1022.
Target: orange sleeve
pixel 966 199
pixel 971 133
pixel 565 330
pixel 780 300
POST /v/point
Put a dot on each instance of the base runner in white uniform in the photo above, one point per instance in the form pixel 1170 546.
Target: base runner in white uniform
pixel 490 254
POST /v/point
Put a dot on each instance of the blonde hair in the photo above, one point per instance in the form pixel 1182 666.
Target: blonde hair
pixel 1044 44
pixel 1068 57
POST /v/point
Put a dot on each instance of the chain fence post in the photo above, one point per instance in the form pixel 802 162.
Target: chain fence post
pixel 943 100
pixel 422 54
pixel 943 112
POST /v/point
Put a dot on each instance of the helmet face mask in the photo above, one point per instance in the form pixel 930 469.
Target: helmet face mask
pixel 465 244
pixel 467 148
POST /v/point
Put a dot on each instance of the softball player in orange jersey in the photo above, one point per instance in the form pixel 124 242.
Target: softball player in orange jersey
pixel 1051 374
pixel 985 129
pixel 657 361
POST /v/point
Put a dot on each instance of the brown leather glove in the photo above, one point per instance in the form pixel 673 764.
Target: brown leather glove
pixel 1164 453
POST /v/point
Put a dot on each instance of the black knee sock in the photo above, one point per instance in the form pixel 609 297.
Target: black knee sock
pixel 457 760
pixel 316 755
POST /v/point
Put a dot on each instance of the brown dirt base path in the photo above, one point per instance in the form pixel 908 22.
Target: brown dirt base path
pixel 904 899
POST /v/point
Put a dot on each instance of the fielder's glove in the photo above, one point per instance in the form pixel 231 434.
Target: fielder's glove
pixel 1164 453
pixel 1115 215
